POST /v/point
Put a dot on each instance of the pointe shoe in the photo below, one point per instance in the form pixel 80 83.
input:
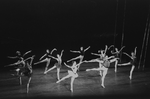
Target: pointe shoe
pixel 130 77
pixel 87 70
pixel 71 90
pixel 45 73
pixel 102 85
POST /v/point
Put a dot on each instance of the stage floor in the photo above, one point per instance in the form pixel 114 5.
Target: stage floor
pixel 86 85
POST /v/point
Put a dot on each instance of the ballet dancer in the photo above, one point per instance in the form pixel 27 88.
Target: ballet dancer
pixel 47 58
pixel 133 62
pixel 104 64
pixel 71 73
pixel 24 69
pixel 117 54
pixel 56 65
pixel 81 56
pixel 19 55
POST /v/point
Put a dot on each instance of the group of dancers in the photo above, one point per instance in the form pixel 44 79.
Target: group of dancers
pixel 24 66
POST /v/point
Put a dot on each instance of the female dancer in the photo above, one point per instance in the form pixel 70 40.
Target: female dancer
pixel 117 54
pixel 103 66
pixel 47 59
pixel 19 55
pixel 71 73
pixel 56 65
pixel 24 69
pixel 81 56
pixel 132 62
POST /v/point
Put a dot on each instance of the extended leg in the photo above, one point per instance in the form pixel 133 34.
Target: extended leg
pixel 50 69
pixel 63 78
pixel 131 71
pixel 93 69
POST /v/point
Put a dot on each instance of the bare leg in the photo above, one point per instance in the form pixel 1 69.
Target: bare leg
pixel 131 71
pixel 93 69
pixel 47 64
pixel 63 78
pixel 116 62
pixel 103 77
pixel 20 80
pixel 100 72
pixel 50 69
pixel 71 83
pixel 28 84
pixel 58 72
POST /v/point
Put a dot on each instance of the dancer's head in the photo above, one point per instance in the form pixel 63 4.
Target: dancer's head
pixel 47 51
pixel 81 48
pixel 18 52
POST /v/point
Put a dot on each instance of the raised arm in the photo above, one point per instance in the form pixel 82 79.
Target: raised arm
pixel 127 55
pixel 43 56
pixel 26 53
pixel 53 50
pixel 67 65
pixel 135 51
pixel 105 49
pixel 61 53
pixel 53 57
pixel 110 46
pixel 121 49
pixel 86 48
pixel 74 58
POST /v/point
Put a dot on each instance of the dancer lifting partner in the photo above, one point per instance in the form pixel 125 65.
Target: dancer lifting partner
pixel 133 62
pixel 71 73
pixel 56 65
pixel 47 59
pixel 81 56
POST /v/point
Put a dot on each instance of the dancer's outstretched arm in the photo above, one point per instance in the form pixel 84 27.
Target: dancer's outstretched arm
pixel 121 49
pixel 12 57
pixel 95 54
pixel 124 64
pixel 26 53
pixel 86 48
pixel 43 56
pixel 74 51
pixel 74 58
pixel 105 49
pixel 110 46
pixel 127 55
pixel 67 65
